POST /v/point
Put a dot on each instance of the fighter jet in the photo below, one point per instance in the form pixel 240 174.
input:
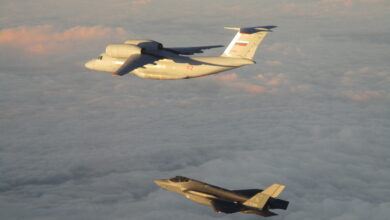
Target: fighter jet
pixel 149 59
pixel 250 201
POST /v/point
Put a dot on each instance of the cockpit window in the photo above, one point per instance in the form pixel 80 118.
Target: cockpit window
pixel 177 179
pixel 100 57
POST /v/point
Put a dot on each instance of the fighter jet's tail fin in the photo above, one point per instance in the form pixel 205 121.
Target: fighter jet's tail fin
pixel 246 41
pixel 274 190
pixel 266 199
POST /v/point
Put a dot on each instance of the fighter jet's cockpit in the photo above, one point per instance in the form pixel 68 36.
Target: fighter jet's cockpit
pixel 100 57
pixel 178 179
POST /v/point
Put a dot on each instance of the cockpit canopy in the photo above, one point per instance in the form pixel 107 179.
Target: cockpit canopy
pixel 179 179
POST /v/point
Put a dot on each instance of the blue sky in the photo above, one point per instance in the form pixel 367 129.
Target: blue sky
pixel 312 114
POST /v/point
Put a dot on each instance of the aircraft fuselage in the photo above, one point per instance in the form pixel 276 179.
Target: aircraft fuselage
pixel 177 67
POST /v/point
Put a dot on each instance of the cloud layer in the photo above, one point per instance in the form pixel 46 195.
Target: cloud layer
pixel 45 40
pixel 312 113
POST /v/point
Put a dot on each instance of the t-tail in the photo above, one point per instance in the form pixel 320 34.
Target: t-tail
pixel 246 41
pixel 266 199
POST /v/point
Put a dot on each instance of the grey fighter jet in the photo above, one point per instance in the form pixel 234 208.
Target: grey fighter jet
pixel 251 201
pixel 149 59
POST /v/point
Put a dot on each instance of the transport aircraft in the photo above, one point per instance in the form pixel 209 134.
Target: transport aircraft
pixel 149 59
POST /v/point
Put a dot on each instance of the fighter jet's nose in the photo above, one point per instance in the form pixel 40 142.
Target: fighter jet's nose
pixel 89 64
pixel 160 182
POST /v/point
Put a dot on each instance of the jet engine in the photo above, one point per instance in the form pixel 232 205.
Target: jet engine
pixel 148 45
pixel 122 50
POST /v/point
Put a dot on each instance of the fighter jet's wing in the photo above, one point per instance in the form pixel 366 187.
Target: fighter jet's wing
pixel 225 207
pixel 247 192
pixel 135 61
pixel 191 50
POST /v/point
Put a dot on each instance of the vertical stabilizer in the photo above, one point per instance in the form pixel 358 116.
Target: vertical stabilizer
pixel 274 190
pixel 260 199
pixel 246 41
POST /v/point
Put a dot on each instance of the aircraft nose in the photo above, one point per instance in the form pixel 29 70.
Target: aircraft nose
pixel 89 64
pixel 160 183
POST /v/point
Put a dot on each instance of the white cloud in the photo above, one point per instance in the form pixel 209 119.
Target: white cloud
pixel 84 145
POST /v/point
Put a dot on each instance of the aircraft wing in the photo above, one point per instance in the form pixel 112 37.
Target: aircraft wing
pixel 225 207
pixel 247 192
pixel 190 50
pixel 135 61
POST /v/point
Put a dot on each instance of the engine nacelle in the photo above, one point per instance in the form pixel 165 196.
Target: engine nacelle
pixel 122 50
pixel 145 44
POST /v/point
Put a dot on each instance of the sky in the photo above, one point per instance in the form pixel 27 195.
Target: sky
pixel 313 113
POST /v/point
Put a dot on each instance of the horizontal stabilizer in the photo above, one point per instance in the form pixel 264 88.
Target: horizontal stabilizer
pixel 250 30
pixel 278 204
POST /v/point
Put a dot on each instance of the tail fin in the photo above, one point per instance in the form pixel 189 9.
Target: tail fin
pixel 274 190
pixel 246 41
pixel 260 200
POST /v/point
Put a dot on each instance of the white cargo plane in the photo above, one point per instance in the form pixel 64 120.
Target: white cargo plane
pixel 149 59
